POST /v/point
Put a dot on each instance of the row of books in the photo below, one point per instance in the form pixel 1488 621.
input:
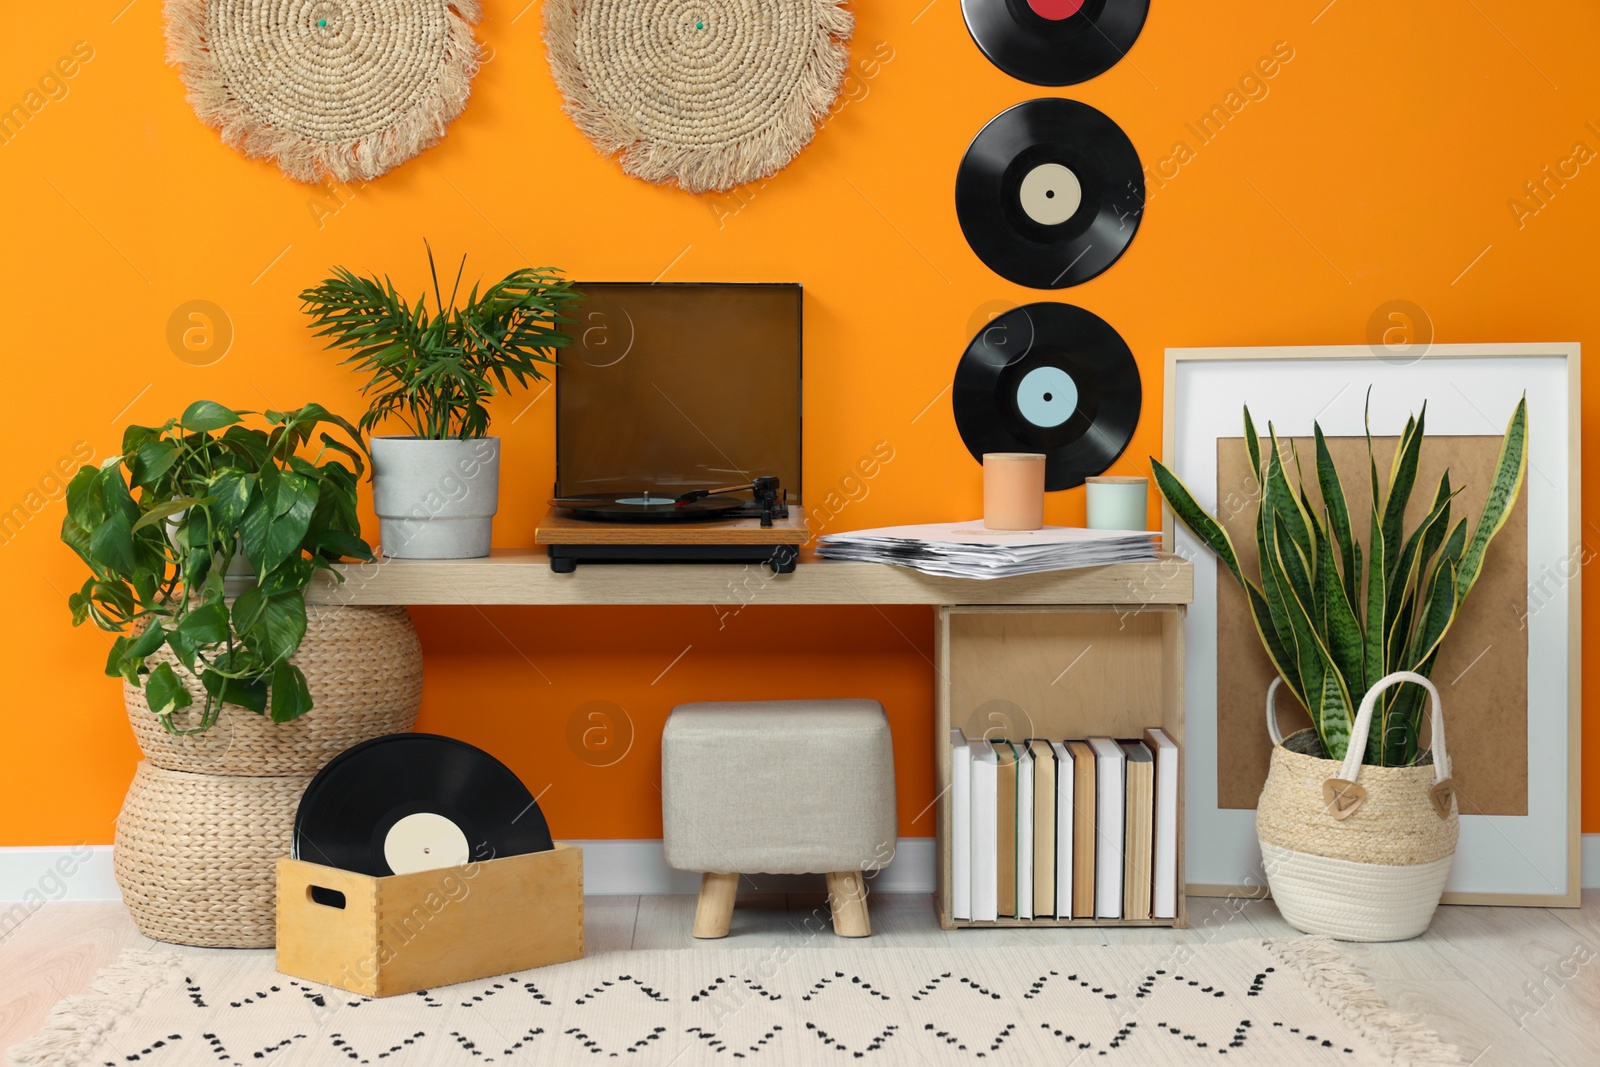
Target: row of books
pixel 1064 829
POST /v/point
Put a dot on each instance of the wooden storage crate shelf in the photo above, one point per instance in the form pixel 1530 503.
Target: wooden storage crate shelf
pixel 1058 672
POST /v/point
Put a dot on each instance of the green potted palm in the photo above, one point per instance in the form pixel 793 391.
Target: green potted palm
pixel 202 539
pixel 1357 821
pixel 436 489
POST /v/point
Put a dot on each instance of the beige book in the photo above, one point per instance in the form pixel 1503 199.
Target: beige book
pixel 1006 828
pixel 1137 841
pixel 1083 798
pixel 1044 827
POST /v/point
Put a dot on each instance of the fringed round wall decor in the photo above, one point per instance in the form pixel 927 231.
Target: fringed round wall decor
pixel 709 94
pixel 326 88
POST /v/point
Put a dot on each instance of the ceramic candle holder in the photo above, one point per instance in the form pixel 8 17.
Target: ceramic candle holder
pixel 1013 490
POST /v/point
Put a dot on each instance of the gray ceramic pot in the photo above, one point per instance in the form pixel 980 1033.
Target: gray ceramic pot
pixel 435 499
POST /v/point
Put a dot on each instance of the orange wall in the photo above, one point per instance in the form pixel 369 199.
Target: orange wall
pixel 1379 163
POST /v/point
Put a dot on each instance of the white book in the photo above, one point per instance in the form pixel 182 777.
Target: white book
pixel 960 828
pixel 1110 764
pixel 1064 783
pixel 985 847
pixel 1024 830
pixel 1164 865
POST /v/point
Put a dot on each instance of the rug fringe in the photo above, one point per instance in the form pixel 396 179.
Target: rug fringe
pixel 1328 970
pixel 75 1025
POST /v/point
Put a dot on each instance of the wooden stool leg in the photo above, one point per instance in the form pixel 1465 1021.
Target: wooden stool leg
pixel 715 910
pixel 847 897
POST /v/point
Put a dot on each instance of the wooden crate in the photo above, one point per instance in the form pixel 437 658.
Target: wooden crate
pixel 1056 672
pixel 385 936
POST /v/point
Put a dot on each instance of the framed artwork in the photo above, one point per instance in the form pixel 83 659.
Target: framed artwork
pixel 1510 668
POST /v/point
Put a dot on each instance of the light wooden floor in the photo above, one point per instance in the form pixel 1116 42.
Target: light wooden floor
pixel 1509 986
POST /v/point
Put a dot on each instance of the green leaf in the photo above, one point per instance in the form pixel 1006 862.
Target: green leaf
pixel 1252 445
pixel 152 638
pixel 1281 499
pixel 1344 638
pixel 111 545
pixel 1188 511
pixel 246 693
pixel 1402 476
pixel 279 629
pixel 154 459
pixel 230 496
pixel 292 576
pixel 85 504
pixel 206 625
pixel 165 510
pixel 203 416
pixel 290 696
pixel 164 692
pixel 1338 515
pixel 1510 469
pixel 115 655
pixel 1331 714
pixel 337 544
pixel 247 609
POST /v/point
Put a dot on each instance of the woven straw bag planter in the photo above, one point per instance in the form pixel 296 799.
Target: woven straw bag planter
pixel 209 815
pixel 363 667
pixel 1357 858
pixel 196 854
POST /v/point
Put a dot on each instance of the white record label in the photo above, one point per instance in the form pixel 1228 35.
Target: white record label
pixel 1050 194
pixel 1047 396
pixel 424 842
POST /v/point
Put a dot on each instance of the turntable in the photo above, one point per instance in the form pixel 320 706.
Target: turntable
pixel 678 427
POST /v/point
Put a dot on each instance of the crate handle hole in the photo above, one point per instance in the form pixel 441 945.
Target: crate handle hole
pixel 328 898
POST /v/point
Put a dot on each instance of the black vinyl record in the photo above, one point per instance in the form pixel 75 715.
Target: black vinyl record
pixel 1050 193
pixel 1055 42
pixel 408 802
pixel 645 507
pixel 1050 378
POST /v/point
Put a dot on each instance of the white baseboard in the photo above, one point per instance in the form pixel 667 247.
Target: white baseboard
pixel 33 876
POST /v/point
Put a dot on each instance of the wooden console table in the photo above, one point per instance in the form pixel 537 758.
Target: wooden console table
pixel 523 576
pixel 1091 652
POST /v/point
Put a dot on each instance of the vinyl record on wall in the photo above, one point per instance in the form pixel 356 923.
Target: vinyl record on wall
pixel 413 802
pixel 1050 193
pixel 1050 378
pixel 1055 42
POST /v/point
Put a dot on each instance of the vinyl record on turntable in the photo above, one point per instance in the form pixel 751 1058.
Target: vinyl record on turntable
pixel 1050 378
pixel 415 802
pixel 647 507
pixel 1054 42
pixel 1050 192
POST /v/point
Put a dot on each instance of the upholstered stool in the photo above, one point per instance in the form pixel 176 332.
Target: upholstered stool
pixel 779 787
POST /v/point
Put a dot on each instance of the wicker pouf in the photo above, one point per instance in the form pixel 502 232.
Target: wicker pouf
pixel 363 667
pixel 196 854
pixel 209 815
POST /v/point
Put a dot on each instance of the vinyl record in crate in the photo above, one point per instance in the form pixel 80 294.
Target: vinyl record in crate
pixel 415 802
pixel 1055 42
pixel 1050 378
pixel 1050 193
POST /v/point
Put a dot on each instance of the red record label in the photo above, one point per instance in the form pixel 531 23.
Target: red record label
pixel 1055 10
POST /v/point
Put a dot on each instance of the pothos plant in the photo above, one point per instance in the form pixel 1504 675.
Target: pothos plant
pixel 435 370
pixel 1334 620
pixel 160 524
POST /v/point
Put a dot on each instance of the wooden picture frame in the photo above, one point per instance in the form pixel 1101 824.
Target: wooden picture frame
pixel 1531 860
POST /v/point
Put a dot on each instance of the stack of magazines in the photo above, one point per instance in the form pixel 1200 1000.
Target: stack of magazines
pixel 970 550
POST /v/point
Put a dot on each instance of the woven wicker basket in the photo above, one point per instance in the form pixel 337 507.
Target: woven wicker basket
pixel 1357 860
pixel 363 666
pixel 196 854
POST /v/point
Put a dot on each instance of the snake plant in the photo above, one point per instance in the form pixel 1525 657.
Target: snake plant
pixel 1333 619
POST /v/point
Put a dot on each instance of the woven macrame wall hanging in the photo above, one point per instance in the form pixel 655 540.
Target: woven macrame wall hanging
pixel 344 89
pixel 709 94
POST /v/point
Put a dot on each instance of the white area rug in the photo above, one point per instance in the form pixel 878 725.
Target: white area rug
pixel 1293 1001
